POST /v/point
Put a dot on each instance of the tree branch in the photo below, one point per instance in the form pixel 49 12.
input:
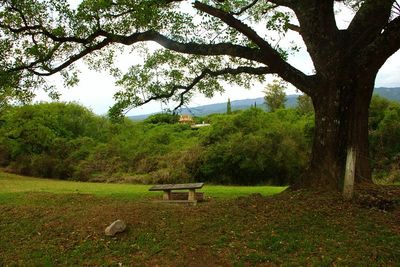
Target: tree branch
pixel 33 64
pixel 72 59
pixel 369 22
pixel 39 29
pixel 287 3
pixel 206 72
pixel 270 56
pixel 239 26
pixel 384 46
pixel 245 8
pixel 109 38
pixel 190 48
pixel 318 29
pixel 293 27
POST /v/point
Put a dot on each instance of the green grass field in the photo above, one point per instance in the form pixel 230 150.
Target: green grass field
pixel 11 183
pixel 59 223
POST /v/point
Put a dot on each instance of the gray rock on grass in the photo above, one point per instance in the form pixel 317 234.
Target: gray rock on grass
pixel 116 227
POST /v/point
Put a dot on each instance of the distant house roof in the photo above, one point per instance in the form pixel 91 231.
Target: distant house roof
pixel 185 119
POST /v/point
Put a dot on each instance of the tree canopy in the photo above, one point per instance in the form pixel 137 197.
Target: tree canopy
pixel 41 38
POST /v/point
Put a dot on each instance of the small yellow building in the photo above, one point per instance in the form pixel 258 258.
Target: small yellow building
pixel 187 119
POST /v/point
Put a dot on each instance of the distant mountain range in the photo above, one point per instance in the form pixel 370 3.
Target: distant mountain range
pixel 392 93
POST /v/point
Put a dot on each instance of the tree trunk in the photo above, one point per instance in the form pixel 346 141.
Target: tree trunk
pixel 341 122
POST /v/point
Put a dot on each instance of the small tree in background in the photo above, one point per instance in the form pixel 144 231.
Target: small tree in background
pixel 228 107
pixel 304 104
pixel 275 96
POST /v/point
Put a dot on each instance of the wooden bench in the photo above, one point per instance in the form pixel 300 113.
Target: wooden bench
pixel 170 196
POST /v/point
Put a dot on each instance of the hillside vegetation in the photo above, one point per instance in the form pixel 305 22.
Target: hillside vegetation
pixel 67 141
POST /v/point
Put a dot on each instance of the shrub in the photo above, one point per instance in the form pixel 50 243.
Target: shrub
pixel 255 147
pixel 162 118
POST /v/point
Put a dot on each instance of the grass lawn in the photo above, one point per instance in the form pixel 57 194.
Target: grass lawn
pixel 47 222
pixel 11 183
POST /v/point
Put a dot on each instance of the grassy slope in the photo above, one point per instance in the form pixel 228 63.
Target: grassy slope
pixel 38 227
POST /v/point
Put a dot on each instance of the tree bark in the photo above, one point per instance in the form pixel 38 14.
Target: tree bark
pixel 341 121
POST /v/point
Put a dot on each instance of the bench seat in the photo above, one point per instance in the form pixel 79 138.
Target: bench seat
pixel 190 196
pixel 162 187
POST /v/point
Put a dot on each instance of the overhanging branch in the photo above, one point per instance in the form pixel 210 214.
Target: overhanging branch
pixel 270 56
pixel 184 89
pixel 109 38
pixel 239 26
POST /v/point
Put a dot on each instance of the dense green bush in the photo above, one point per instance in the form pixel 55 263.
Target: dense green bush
pixel 162 118
pixel 254 147
pixel 39 139
pixel 67 141
pixel 385 139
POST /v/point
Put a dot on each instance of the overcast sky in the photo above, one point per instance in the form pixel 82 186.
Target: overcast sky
pixel 96 90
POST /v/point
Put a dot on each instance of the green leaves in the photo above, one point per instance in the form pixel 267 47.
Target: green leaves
pixel 169 76
pixel 50 139
pixel 47 37
pixel 253 146
pixel 275 96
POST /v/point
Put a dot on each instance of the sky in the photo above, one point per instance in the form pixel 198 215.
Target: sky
pixel 95 90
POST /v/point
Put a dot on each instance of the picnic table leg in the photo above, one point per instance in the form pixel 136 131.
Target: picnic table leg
pixel 192 195
pixel 167 195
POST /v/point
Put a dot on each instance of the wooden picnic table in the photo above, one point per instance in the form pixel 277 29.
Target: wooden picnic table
pixel 168 188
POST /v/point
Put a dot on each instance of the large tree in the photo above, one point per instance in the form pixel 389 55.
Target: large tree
pixel 205 42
